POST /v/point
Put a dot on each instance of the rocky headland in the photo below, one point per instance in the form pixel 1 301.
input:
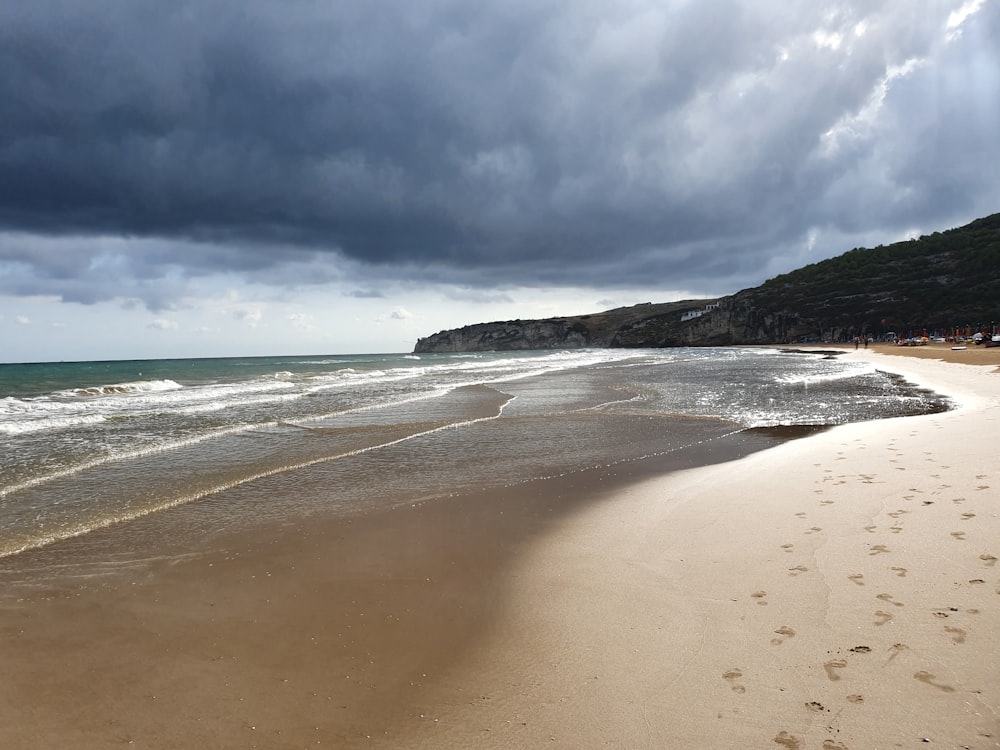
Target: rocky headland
pixel 941 281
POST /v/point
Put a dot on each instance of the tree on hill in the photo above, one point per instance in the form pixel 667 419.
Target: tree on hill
pixel 940 281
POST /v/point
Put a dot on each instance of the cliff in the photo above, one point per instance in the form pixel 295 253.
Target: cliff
pixel 944 280
pixel 729 320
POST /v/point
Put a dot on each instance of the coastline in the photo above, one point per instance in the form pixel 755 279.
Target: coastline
pixel 326 631
pixel 823 593
pixel 835 592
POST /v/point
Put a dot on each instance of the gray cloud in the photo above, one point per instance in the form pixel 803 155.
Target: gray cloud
pixel 480 144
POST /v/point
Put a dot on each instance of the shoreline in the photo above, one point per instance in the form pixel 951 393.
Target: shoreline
pixel 835 592
pixel 322 631
pixel 723 605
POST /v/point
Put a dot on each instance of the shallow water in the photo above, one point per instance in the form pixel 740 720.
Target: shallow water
pixel 237 442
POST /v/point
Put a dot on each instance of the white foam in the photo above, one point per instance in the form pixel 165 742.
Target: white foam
pixel 116 389
pixel 839 373
pixel 129 515
pixel 23 427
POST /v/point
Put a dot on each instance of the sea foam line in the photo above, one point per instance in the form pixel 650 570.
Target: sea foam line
pixel 218 433
pixel 128 456
pixel 629 460
pixel 81 529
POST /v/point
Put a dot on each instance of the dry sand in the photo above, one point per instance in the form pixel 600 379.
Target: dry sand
pixel 836 592
pixel 840 591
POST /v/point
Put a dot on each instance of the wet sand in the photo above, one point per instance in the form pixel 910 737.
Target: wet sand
pixel 837 592
pixel 330 633
pixel 840 591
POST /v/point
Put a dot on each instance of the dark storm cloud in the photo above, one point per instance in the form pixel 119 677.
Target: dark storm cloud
pixel 519 142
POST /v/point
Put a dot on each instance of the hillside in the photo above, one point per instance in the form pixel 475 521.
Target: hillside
pixel 939 281
pixel 944 279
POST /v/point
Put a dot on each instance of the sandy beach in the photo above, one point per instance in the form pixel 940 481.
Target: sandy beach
pixel 835 592
pixel 838 591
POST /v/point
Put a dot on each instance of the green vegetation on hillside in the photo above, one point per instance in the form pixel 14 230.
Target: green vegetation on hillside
pixel 939 281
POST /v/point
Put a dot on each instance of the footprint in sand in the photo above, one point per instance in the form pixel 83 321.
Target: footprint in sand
pixel 895 529
pixel 731 676
pixel 881 618
pixel 813 530
pixel 958 635
pixel 856 578
pixel 856 698
pixel 959 535
pixel 759 596
pixel 967 516
pixel 958 500
pixel 983 487
pixel 787 547
pixel 826 502
pixel 889 598
pixel 787 740
pixel 785 631
pixel 901 572
pixel 928 678
pixel 871 529
pixel 798 570
pixel 800 515
pixel 898 513
pixel 990 560
pixel 831 668
pixel 831 745
pixel 896 649
pixel 878 549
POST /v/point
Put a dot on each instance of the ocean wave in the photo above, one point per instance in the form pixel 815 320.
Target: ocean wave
pixel 81 407
pixel 40 423
pixel 123 514
pixel 118 389
pixel 208 407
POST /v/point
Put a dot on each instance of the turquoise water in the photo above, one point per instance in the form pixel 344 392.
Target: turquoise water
pixel 236 441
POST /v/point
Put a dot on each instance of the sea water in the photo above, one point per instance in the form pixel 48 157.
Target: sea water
pixel 236 442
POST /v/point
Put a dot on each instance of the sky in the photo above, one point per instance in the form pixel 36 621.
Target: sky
pixel 239 177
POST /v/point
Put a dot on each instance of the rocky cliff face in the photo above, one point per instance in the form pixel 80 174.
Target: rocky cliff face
pixel 508 336
pixel 738 321
pixel 726 321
